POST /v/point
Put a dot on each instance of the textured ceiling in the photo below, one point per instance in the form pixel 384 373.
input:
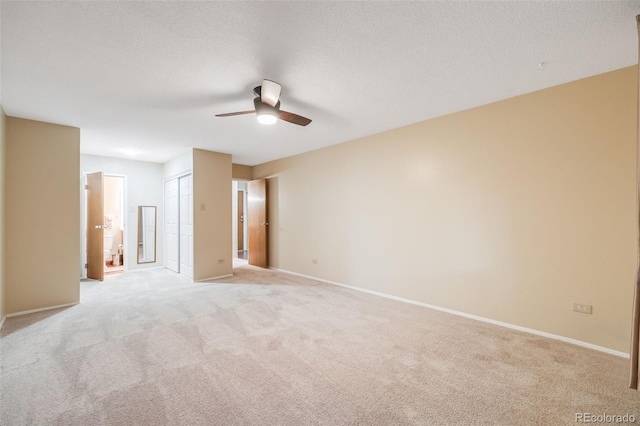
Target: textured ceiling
pixel 144 80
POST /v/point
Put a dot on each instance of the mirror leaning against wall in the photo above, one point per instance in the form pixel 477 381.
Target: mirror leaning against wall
pixel 146 234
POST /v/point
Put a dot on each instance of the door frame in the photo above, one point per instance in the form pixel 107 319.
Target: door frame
pixel 245 224
pixel 235 187
pixel 258 223
pixel 240 195
pixel 83 220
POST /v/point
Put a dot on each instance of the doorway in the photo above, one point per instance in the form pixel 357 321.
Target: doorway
pixel 240 223
pixel 250 224
pixel 114 224
pixel 104 224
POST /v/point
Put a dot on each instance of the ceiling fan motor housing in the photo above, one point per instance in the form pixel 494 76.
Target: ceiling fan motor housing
pixel 262 108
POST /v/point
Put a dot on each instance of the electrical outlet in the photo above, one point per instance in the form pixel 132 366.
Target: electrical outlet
pixel 314 261
pixel 220 261
pixel 582 308
pixel 203 207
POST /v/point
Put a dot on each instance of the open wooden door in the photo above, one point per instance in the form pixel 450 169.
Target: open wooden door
pixel 95 226
pixel 258 224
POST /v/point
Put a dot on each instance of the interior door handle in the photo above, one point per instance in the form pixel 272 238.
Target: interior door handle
pixel 99 226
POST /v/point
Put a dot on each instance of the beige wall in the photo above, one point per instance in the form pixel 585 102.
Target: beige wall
pixel 211 215
pixel 42 215
pixel 3 128
pixel 241 172
pixel 509 211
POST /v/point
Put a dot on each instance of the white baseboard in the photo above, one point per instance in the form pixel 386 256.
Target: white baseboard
pixel 48 308
pixel 2 321
pixel 214 278
pixel 146 269
pixel 465 315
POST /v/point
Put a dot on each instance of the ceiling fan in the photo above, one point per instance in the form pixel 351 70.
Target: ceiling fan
pixel 267 106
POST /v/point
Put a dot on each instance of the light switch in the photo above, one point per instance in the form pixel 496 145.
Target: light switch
pixel 202 207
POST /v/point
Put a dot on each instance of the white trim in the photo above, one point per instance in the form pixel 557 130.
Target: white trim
pixel 48 308
pixel 2 321
pixel 471 316
pixel 213 278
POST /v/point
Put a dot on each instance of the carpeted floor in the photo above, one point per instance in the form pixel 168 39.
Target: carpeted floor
pixel 267 348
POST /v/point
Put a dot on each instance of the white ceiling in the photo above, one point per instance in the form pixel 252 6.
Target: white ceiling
pixel 150 76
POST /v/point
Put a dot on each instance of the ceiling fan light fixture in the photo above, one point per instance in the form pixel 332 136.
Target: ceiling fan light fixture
pixel 266 117
pixel 267 106
pixel 266 114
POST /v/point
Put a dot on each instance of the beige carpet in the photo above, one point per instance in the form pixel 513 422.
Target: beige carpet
pixel 267 348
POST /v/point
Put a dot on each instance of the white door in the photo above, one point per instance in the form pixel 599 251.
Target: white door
pixel 186 226
pixel 171 209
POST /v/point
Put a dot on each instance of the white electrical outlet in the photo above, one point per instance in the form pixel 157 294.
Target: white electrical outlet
pixel 582 308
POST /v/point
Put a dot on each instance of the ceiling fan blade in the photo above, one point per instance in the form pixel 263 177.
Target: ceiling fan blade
pixel 293 118
pixel 231 114
pixel 270 92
